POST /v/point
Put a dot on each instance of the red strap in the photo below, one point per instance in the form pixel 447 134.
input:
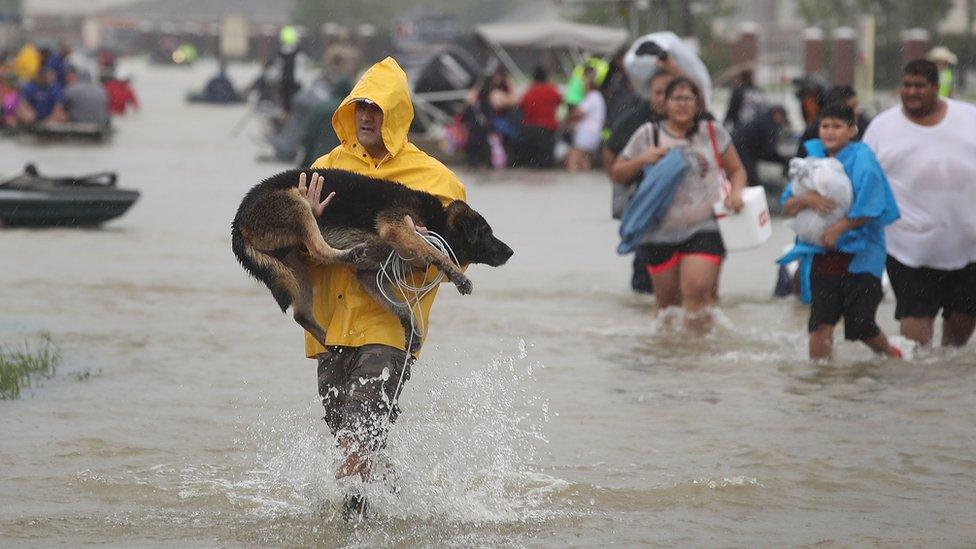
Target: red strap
pixel 726 186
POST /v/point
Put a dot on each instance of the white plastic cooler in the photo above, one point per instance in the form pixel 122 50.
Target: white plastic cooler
pixel 751 227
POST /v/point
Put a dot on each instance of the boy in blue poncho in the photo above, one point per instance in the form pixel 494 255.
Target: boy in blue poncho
pixel 848 262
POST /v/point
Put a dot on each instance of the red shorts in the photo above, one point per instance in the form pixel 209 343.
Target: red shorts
pixel 663 257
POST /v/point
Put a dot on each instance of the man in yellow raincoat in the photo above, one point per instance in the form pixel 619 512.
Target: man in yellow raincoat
pixel 360 370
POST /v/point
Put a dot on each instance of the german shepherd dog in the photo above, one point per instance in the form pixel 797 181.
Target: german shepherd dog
pixel 275 233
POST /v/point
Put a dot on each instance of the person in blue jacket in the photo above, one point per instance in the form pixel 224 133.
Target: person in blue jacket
pixel 846 266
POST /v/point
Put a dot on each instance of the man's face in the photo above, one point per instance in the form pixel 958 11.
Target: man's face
pixel 656 93
pixel 918 95
pixel 369 124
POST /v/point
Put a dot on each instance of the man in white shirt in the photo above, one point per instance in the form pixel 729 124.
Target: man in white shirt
pixel 927 148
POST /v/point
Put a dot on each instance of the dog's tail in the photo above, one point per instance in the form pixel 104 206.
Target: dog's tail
pixel 264 267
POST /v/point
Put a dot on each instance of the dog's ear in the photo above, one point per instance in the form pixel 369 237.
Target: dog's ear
pixel 467 222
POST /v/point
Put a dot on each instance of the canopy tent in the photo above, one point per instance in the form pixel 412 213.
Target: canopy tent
pixel 550 35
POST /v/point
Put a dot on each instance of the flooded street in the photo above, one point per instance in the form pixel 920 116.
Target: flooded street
pixel 546 409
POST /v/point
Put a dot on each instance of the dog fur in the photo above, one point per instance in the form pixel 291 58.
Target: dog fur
pixel 275 234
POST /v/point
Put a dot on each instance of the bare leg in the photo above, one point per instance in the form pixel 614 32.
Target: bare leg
pixel 357 459
pixel 821 343
pixel 699 276
pixel 882 346
pixel 957 329
pixel 667 291
pixel 918 328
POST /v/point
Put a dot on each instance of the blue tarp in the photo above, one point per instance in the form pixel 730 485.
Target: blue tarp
pixel 652 199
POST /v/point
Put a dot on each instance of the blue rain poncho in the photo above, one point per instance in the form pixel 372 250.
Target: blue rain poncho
pixel 872 198
pixel 653 198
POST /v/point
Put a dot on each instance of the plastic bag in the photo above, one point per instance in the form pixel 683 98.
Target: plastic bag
pixel 825 176
pixel 642 66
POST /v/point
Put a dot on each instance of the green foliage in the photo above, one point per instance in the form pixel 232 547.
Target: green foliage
pixel 19 368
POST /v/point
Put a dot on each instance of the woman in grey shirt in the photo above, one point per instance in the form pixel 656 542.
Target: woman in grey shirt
pixel 685 251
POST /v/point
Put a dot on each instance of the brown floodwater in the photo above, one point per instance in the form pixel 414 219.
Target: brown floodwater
pixel 547 408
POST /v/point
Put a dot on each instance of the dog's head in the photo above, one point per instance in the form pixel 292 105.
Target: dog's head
pixel 473 240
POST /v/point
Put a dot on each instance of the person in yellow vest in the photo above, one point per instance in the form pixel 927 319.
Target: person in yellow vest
pixel 26 63
pixel 360 371
pixel 943 59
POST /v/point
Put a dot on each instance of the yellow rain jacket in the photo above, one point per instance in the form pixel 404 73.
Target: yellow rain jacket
pixel 27 62
pixel 350 316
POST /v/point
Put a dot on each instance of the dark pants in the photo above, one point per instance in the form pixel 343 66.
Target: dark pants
pixel 534 147
pixel 358 386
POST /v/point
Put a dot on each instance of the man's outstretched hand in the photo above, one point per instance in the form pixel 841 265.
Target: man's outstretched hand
pixel 313 192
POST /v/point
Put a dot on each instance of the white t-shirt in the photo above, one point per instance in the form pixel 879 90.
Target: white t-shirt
pixel 932 171
pixel 586 136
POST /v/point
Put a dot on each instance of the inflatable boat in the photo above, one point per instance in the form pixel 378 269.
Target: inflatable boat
pixel 33 200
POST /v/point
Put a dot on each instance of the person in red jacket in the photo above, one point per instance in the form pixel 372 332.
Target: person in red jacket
pixel 538 136
pixel 120 93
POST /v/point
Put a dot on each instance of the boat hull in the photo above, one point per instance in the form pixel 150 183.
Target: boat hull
pixel 67 208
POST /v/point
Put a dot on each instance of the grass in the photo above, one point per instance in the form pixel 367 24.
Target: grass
pixel 19 368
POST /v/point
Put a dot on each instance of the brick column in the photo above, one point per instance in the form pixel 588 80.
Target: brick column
pixel 746 48
pixel 812 50
pixel 844 55
pixel 915 43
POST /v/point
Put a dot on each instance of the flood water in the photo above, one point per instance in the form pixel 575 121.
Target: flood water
pixel 546 410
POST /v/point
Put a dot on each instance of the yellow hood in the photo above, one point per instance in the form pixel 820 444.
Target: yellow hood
pixel 385 84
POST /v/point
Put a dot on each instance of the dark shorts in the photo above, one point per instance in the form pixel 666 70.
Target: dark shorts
pixel 662 257
pixel 853 296
pixel 922 291
pixel 354 392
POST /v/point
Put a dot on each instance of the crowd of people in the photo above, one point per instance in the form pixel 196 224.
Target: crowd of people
pixel 42 86
pixel 910 183
pixel 500 129
pixel 916 227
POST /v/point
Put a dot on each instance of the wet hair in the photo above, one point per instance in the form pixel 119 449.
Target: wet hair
pixel 680 81
pixel 839 111
pixel 539 74
pixel 839 94
pixel 923 68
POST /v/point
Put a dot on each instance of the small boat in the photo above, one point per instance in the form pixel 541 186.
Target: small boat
pixel 32 200
pixel 71 131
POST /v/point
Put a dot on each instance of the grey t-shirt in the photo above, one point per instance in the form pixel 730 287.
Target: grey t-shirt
pixel 691 209
pixel 86 102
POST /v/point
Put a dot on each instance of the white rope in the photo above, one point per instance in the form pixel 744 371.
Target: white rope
pixel 396 270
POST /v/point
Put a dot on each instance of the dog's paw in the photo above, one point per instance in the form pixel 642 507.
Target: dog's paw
pixel 464 285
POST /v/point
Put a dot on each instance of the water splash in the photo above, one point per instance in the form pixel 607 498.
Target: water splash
pixel 463 451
